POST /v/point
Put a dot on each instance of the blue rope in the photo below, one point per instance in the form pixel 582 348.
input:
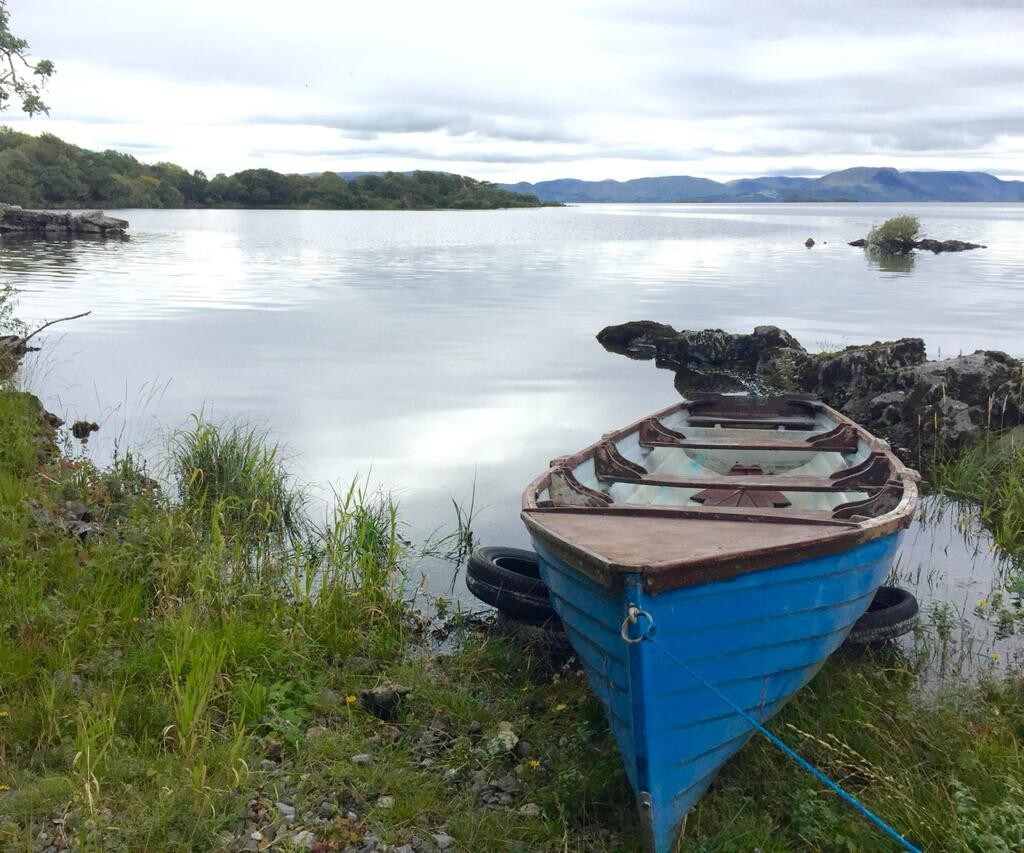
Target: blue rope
pixel 810 768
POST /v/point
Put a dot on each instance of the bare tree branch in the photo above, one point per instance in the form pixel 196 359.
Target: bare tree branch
pixel 29 337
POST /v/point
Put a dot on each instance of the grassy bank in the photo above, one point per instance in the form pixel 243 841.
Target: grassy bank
pixel 184 672
pixel 990 475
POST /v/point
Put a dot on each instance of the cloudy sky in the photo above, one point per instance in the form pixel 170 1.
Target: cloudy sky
pixel 537 90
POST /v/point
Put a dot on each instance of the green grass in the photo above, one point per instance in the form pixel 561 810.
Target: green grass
pixel 231 479
pixel 990 475
pixel 147 675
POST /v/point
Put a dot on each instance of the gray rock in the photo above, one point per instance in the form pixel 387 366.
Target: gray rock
pixel 362 759
pixel 529 810
pixel 275 750
pixel 938 246
pixel 64 680
pixel 507 783
pixel 443 840
pixel 304 840
pixel 385 700
pixel 703 348
pixel 333 697
pixel 359 665
pixel 315 732
pixel 15 219
pixel 286 811
pixel 326 810
pixel 83 529
pixel 268 766
pixel 524 749
pixel 955 424
pixel 497 792
pixel 385 802
pixel 82 429
pixel 504 740
pixel 809 242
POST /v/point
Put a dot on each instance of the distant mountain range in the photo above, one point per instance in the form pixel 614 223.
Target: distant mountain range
pixel 857 184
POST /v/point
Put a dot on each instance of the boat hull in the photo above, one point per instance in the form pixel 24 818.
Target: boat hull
pixel 757 637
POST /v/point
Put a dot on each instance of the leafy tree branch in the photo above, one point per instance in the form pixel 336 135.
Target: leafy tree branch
pixel 21 78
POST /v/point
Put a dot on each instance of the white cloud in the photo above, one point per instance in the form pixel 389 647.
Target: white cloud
pixel 536 90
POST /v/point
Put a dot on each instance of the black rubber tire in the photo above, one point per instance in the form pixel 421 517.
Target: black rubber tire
pixel 892 613
pixel 509 579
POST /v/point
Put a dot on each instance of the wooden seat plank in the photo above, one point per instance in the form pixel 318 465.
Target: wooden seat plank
pixel 843 439
pixel 770 422
pixel 758 482
pixel 737 444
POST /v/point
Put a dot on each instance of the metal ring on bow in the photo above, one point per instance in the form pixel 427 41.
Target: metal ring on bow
pixel 633 615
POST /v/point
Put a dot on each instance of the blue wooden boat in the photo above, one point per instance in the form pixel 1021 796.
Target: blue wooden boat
pixel 709 558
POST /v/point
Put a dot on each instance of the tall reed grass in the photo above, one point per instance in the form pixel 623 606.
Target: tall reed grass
pixel 990 474
pixel 231 478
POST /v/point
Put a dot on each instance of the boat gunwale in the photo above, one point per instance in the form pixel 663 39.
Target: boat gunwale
pixel 842 534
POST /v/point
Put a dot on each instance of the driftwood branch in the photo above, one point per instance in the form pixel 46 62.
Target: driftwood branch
pixel 13 347
pixel 31 335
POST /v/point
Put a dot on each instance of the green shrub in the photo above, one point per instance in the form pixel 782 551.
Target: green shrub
pixel 898 233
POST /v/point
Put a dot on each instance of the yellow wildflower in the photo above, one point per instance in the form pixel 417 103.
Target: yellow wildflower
pixel 534 763
pixel 4 713
pixel 561 706
pixel 350 699
pixel 135 619
pixel 982 602
pixel 995 655
pixel 5 787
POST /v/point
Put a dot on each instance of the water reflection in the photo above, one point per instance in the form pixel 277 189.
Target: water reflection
pixel 688 380
pixel 891 262
pixel 442 349
pixel 970 613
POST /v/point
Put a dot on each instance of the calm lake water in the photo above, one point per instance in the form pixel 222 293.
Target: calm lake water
pixel 435 351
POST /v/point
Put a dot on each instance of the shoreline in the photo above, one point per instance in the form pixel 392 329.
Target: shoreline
pixel 210 653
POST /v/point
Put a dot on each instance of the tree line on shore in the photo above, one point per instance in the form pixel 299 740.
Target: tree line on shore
pixel 44 171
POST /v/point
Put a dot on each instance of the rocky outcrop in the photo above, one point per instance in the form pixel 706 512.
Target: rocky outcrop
pixel 12 349
pixel 17 220
pixel 901 247
pixel 756 352
pixel 947 245
pixel 890 387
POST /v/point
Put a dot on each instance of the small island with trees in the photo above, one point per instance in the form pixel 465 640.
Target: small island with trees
pixel 46 172
pixel 902 234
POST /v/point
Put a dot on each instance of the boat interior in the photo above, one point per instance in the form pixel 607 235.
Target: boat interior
pixel 788 456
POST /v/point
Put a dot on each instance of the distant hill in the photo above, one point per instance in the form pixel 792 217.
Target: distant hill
pixel 641 189
pixel 857 184
pixel 46 172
